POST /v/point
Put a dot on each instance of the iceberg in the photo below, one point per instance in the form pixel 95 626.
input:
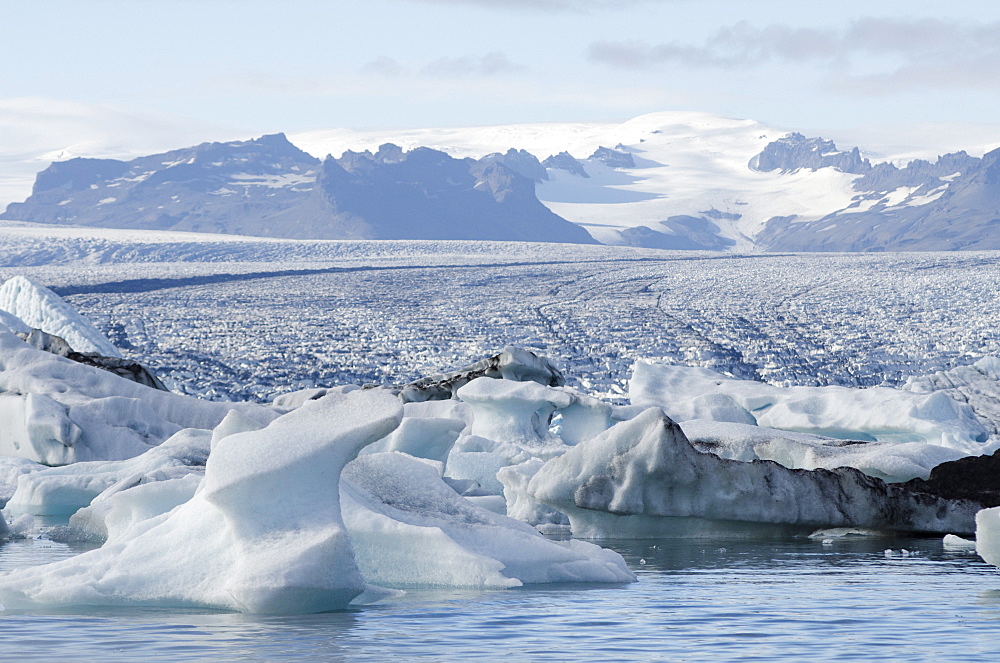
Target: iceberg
pixel 58 411
pixel 61 491
pixel 988 535
pixel 643 478
pixel 893 434
pixel 262 534
pixel 38 307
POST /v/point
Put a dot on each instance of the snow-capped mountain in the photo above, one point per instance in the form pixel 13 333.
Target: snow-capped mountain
pixel 268 187
pixel 696 180
pixel 665 180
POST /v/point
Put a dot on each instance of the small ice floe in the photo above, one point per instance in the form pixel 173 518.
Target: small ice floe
pixel 894 554
pixel 953 543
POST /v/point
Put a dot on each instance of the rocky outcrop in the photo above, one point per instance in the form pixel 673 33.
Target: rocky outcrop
pixel 613 158
pixel 427 194
pixel 566 161
pixel 795 151
pixel 522 162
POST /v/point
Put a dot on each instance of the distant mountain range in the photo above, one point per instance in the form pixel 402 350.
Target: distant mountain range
pixel 666 180
pixel 268 187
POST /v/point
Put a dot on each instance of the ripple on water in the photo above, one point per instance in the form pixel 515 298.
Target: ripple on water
pixel 779 600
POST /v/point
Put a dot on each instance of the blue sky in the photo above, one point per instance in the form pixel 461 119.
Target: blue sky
pixel 147 72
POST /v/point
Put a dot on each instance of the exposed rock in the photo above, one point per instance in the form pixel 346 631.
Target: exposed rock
pixel 680 233
pixel 427 194
pixel 566 161
pixel 521 162
pixel 613 158
pixel 942 213
pixel 795 151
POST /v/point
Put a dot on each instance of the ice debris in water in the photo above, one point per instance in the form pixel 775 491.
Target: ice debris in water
pixel 264 532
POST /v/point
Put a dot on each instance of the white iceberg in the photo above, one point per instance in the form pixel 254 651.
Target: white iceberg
pixel 57 411
pixel 61 491
pixel 263 533
pixel 38 307
pixel 909 433
pixel 988 535
pixel 642 478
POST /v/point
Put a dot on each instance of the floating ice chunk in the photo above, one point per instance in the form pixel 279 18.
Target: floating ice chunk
pixel 13 323
pixel 876 414
pixel 61 491
pixel 263 534
pixel 844 532
pixel 38 307
pixel 409 528
pixel 478 467
pixel 584 418
pixel 514 364
pixel 231 424
pixel 447 409
pixel 988 535
pixel 977 385
pixel 646 469
pixel 957 543
pixel 58 411
pixel 11 469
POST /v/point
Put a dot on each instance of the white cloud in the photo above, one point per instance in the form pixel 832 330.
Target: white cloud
pixel 906 53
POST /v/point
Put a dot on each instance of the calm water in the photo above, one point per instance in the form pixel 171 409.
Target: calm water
pixel 793 599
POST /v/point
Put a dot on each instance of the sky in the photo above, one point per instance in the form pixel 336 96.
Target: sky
pixel 126 77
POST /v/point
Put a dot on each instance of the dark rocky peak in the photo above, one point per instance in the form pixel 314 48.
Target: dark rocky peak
pixel 520 161
pixel 795 151
pixel 918 173
pixel 613 158
pixel 389 153
pixel 566 161
pixel 501 181
pixel 353 162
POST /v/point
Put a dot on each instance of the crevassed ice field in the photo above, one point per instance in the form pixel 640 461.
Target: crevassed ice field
pixel 248 319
